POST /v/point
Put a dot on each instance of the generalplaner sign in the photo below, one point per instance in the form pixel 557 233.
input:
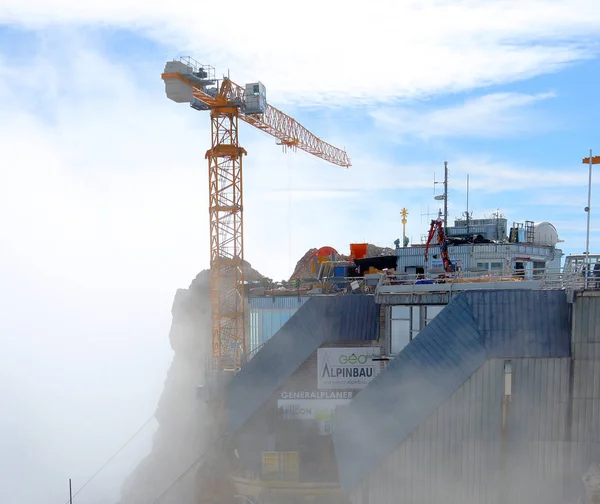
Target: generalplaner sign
pixel 346 368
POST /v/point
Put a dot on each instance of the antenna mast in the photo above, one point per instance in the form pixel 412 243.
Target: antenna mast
pixel 467 203
pixel 445 196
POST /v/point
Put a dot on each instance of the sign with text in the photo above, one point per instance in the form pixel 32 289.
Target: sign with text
pixel 316 394
pixel 346 368
pixel 309 409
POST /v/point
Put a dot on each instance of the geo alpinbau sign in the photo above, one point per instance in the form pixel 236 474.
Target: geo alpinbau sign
pixel 346 368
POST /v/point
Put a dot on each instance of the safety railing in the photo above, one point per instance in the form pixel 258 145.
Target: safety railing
pixel 198 67
pixel 392 282
pixel 348 285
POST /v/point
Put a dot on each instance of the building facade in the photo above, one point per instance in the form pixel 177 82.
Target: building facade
pixel 281 402
pixel 496 400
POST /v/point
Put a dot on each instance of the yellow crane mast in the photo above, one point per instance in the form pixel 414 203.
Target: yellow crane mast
pixel 188 81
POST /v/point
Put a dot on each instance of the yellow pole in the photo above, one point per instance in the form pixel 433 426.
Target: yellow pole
pixel 404 213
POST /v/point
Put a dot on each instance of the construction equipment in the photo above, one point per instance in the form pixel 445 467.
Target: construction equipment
pixel 315 259
pixel 187 81
pixel 437 226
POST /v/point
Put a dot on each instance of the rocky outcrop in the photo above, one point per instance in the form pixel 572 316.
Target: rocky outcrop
pixel 182 418
pixel 186 423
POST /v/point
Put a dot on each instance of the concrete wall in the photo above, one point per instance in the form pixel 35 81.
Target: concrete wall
pixel 527 439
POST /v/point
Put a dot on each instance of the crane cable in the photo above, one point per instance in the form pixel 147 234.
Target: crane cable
pixel 91 478
pixel 189 468
pixel 289 225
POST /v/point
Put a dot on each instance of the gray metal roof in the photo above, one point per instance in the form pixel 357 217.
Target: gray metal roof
pixel 527 323
pixel 319 320
pixel 475 326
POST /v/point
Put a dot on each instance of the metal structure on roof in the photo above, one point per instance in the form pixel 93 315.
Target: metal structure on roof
pixel 474 327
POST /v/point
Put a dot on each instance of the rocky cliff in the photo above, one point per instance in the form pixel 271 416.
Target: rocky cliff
pixel 186 422
pixel 179 439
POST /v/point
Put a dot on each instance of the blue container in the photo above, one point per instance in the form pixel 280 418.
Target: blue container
pixel 339 271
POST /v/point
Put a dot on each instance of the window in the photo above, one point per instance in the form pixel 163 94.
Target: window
pixel 432 312
pixel 401 327
pixel 401 312
pixel 267 331
pixel 538 268
pixel 494 267
pixel 519 268
pixel 254 331
pixel 407 322
pixel 400 335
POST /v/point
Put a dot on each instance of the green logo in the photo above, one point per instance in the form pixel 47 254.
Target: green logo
pixel 353 359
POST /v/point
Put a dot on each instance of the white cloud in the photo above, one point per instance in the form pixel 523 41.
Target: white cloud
pixel 488 116
pixel 491 176
pixel 341 52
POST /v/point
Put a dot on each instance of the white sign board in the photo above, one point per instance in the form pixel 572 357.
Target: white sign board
pixel 309 409
pixel 346 368
pixel 437 264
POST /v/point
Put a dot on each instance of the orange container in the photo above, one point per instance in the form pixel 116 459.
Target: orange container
pixel 358 250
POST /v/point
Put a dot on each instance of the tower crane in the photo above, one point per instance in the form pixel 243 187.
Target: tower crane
pixel 188 81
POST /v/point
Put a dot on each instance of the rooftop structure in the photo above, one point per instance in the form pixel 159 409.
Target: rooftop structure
pixel 487 246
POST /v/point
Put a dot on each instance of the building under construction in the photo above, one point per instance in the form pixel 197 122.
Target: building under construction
pixel 397 385
pixel 463 369
pixel 497 398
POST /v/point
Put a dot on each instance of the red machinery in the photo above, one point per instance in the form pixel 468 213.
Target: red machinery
pixel 318 256
pixel 436 225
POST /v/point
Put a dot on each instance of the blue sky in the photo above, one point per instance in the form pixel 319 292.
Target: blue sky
pixel 103 188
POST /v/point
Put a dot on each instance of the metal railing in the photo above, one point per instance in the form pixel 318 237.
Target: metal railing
pixel 390 282
pixel 347 285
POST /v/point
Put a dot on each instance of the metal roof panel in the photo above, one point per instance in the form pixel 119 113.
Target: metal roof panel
pixel 475 326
